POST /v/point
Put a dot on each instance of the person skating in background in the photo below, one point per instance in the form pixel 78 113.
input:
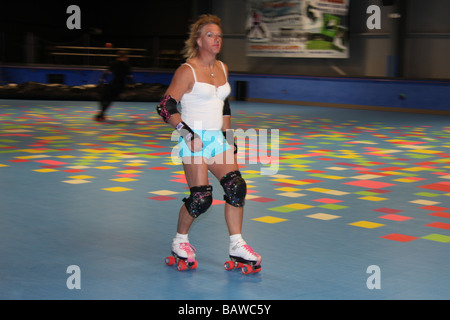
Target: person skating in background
pixel 121 71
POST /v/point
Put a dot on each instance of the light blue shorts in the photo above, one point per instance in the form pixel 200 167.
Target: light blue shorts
pixel 214 143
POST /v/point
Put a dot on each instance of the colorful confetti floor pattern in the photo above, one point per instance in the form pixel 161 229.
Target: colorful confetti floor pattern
pixel 352 189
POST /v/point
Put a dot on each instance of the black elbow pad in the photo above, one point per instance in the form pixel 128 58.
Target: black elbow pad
pixel 226 108
pixel 167 107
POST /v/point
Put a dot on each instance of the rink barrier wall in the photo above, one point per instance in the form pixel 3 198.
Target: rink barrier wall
pixel 422 96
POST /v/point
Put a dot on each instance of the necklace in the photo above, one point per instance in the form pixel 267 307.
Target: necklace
pixel 212 72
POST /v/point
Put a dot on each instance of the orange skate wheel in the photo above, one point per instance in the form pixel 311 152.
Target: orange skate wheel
pixel 229 265
pixel 246 269
pixel 181 265
pixel 170 260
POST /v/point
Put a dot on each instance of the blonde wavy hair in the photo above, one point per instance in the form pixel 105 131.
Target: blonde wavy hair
pixel 190 45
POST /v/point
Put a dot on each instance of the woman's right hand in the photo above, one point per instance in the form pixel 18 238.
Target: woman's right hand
pixel 196 144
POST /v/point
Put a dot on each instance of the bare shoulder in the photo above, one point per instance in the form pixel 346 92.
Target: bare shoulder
pixel 182 82
pixel 224 65
pixel 184 72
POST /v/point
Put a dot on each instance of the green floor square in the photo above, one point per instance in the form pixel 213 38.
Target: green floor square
pixel 283 209
pixel 437 237
pixel 427 194
pixel 333 206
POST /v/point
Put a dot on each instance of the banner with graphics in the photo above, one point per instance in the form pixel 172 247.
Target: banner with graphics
pixel 297 28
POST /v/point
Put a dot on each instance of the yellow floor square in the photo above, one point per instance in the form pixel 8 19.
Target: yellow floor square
pixel 406 180
pixel 299 206
pixel 45 170
pixel 296 182
pixel 81 177
pixel 117 189
pixel 250 197
pixel 370 198
pixel 269 219
pixel 30 150
pixel 288 189
pixel 123 179
pixel 123 144
pixel 250 172
pixel 366 224
pixel 331 177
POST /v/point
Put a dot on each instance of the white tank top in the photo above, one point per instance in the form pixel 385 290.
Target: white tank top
pixel 202 108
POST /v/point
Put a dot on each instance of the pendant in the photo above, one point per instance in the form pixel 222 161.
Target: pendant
pixel 212 75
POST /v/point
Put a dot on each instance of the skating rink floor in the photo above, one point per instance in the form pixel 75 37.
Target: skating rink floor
pixel 347 204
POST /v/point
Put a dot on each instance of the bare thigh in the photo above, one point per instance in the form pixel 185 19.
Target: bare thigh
pixel 223 163
pixel 196 172
pixel 196 169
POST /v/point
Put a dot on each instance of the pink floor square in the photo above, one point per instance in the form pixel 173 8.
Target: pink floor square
pixel 328 200
pixel 370 184
pixel 395 217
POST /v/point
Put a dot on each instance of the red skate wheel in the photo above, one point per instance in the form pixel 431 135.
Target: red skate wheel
pixel 181 265
pixel 229 265
pixel 246 269
pixel 170 260
pixel 194 265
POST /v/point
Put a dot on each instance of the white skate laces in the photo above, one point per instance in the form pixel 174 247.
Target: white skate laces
pixel 242 250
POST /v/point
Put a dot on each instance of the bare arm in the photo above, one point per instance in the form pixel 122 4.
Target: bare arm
pixel 181 83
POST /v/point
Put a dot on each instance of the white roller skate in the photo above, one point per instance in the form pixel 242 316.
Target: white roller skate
pixel 183 255
pixel 243 257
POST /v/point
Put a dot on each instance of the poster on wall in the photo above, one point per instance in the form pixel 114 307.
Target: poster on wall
pixel 297 28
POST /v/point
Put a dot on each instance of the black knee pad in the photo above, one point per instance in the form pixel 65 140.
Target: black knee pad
pixel 235 188
pixel 199 201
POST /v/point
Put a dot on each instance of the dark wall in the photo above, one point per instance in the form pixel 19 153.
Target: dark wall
pixel 133 18
pixel 125 24
pixel 159 26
